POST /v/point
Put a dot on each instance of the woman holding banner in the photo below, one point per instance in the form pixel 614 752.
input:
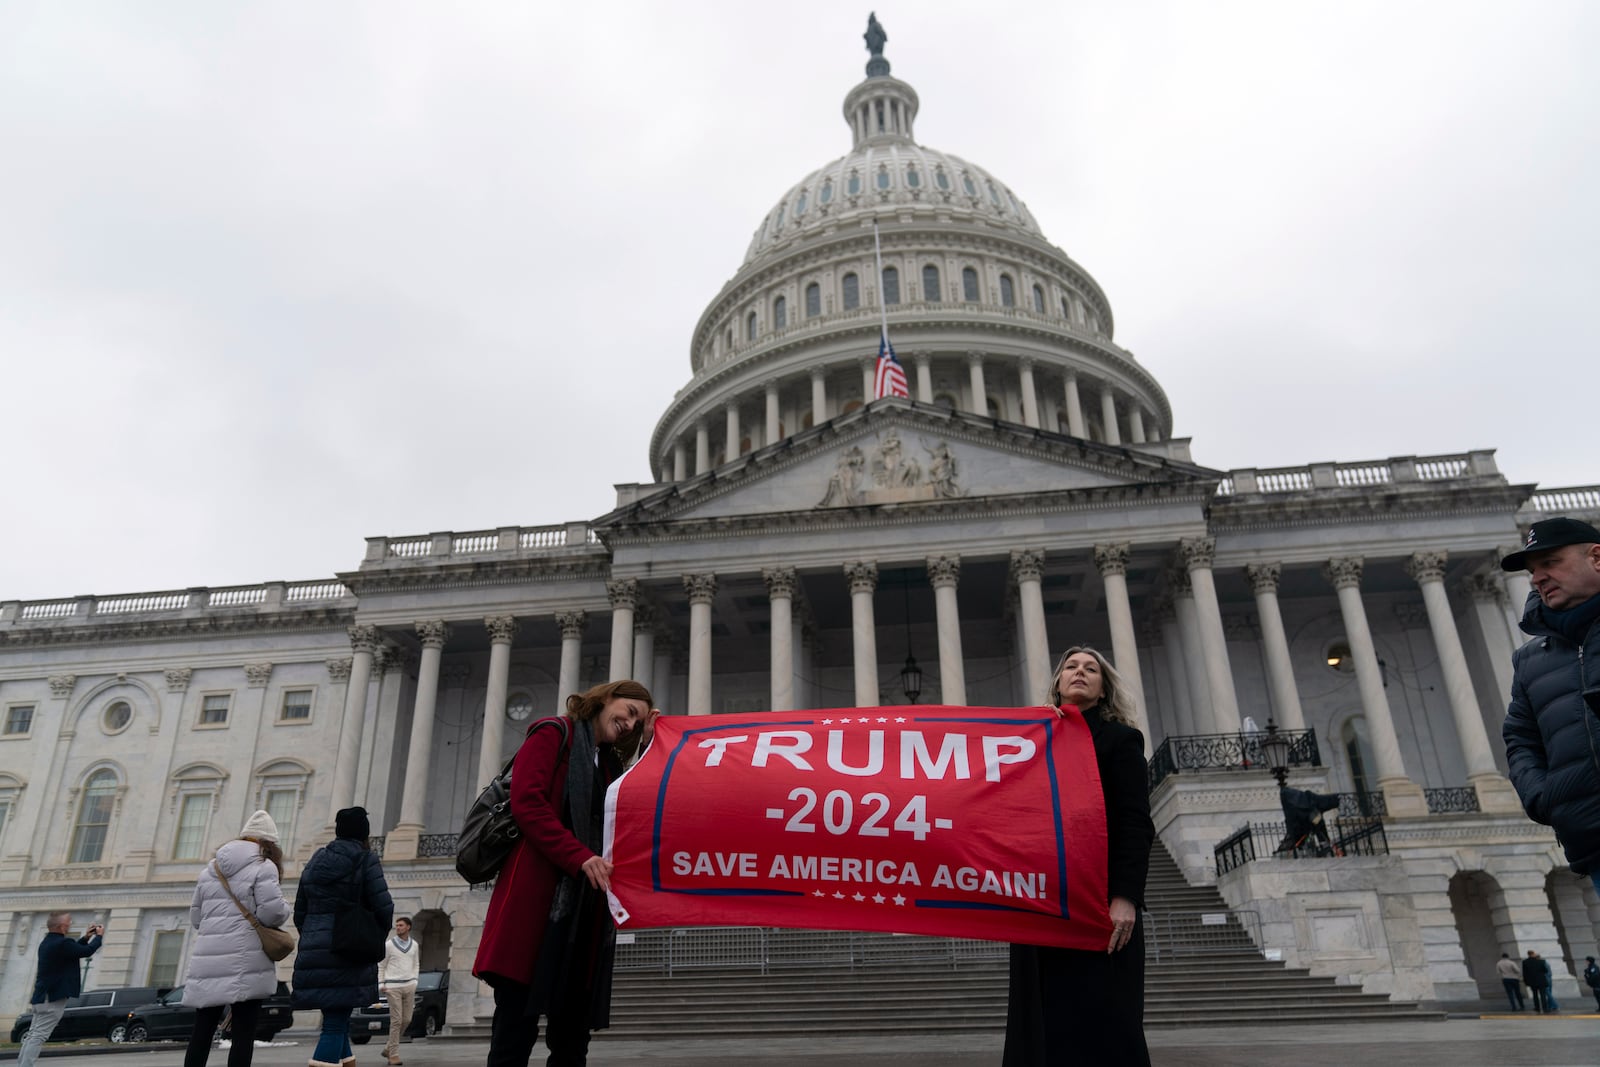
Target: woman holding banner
pixel 1071 1005
pixel 548 940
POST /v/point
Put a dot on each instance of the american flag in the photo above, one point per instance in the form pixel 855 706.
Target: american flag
pixel 891 377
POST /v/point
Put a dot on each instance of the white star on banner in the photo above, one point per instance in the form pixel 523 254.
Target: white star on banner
pixel 858 898
pixel 884 718
pixel 827 722
pixel 837 895
pixel 898 899
pixel 902 718
pixel 819 893
pixel 878 898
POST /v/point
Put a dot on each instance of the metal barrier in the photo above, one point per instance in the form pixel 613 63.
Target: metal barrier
pixel 1451 801
pixel 1171 934
pixel 1363 805
pixel 767 949
pixel 1354 836
pixel 1225 752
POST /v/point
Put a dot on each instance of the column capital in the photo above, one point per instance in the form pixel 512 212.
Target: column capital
pixel 1112 558
pixel 623 593
pixel 1344 572
pixel 256 675
pixel 770 385
pixel 502 628
pixel 61 685
pixel 781 582
pixel 922 359
pixel 1426 566
pixel 974 359
pixel 702 588
pixel 944 571
pixel 385 658
pixel 433 632
pixel 1178 581
pixel 1263 576
pixel 1481 586
pixel 818 373
pixel 1070 377
pixel 363 637
pixel 572 623
pixel 644 619
pixel 1026 363
pixel 863 576
pixel 339 669
pixel 1197 552
pixel 1027 564
pixel 178 679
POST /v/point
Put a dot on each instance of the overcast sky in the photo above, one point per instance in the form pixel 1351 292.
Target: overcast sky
pixel 275 277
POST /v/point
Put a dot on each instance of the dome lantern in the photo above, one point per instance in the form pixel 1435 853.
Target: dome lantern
pixel 881 109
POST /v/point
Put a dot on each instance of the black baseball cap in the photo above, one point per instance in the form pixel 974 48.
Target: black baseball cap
pixel 1551 533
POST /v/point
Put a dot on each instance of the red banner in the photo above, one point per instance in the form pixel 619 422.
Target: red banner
pixel 966 822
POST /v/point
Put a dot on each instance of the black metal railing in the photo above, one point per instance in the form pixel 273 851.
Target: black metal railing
pixel 1363 805
pixel 1451 801
pixel 437 846
pixel 1352 836
pixel 1223 752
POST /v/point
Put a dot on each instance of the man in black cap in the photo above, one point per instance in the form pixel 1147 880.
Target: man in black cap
pixel 1552 727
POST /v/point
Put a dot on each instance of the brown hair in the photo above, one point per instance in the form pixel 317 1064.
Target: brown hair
pixel 581 707
pixel 1115 705
pixel 271 851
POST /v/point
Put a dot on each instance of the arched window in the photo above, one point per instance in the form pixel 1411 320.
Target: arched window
pixel 891 285
pixel 826 196
pixel 941 179
pixel 913 179
pixel 883 177
pixel 969 285
pixel 780 313
pixel 852 292
pixel 1066 309
pixel 750 327
pixel 930 284
pixel 813 300
pixel 853 186
pixel 94 818
pixel 994 197
pixel 1008 293
pixel 800 205
pixel 1038 300
pixel 730 339
pixel 966 183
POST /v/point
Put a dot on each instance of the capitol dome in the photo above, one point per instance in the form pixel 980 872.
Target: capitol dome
pixel 986 314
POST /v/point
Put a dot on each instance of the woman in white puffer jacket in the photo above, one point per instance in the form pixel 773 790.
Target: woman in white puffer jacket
pixel 227 967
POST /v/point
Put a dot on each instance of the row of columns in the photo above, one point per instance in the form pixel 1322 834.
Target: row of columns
pixel 978 401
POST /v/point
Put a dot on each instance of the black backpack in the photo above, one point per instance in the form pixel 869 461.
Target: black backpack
pixel 489 833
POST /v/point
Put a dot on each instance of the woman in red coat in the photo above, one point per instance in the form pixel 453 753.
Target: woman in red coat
pixel 548 939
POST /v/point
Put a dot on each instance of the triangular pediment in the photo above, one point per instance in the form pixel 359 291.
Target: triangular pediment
pixel 897 454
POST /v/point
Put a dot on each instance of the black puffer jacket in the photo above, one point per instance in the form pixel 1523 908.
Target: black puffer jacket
pixel 338 872
pixel 1553 739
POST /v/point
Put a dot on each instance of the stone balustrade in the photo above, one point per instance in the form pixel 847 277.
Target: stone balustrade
pixel 507 540
pixel 1573 500
pixel 175 603
pixel 1365 474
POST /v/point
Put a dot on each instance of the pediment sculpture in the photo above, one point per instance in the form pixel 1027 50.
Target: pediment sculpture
pixel 888 475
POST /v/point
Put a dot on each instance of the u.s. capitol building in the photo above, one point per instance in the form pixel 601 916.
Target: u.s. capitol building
pixel 805 546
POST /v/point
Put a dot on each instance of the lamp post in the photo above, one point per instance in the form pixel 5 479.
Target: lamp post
pixel 1275 753
pixel 910 674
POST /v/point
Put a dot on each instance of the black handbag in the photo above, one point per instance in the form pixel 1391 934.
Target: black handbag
pixel 489 833
pixel 358 933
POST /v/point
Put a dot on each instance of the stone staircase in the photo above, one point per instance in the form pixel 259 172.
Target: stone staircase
pixel 1202 970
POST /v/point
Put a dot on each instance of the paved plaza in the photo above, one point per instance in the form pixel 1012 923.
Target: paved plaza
pixel 1565 1041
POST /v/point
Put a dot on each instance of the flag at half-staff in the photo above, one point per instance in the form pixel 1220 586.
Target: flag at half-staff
pixel 890 379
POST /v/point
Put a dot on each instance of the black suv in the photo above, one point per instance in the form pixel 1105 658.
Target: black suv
pixel 169 1019
pixel 93 1014
pixel 433 993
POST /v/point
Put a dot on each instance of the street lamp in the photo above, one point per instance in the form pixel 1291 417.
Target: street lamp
pixel 911 678
pixel 1275 753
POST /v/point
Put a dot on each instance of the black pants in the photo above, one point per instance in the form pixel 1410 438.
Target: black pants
pixel 1513 992
pixel 242 1030
pixel 1540 1004
pixel 513 1033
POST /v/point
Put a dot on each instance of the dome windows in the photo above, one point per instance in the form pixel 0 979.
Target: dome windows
pixel 800 205
pixel 780 313
pixel 852 291
pixel 1038 299
pixel 1008 292
pixel 930 284
pixel 941 179
pixel 826 195
pixel 1066 309
pixel 891 285
pixel 966 183
pixel 777 220
pixel 853 185
pixel 750 327
pixel 969 285
pixel 883 177
pixel 913 179
pixel 813 300
pixel 994 197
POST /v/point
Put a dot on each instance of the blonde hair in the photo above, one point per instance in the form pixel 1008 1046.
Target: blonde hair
pixel 581 707
pixel 1115 705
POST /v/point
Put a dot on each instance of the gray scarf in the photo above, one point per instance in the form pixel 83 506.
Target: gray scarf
pixel 587 820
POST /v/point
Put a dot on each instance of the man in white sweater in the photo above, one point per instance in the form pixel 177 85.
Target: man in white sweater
pixel 398 980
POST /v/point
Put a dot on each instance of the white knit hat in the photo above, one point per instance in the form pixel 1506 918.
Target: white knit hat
pixel 261 827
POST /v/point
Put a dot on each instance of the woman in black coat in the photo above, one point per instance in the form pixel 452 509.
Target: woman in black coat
pixel 341 872
pixel 1071 1005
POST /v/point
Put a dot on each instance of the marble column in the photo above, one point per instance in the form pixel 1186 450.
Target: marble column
pixel 419 755
pixel 1108 415
pixel 1198 553
pixel 1275 643
pixel 1194 656
pixel 730 451
pixel 1518 586
pixel 702 589
pixel 1111 560
pixel 819 396
pixel 572 624
pixel 644 646
pixel 1177 670
pixel 924 364
pixel 702 447
pixel 869 379
pixel 624 596
pixel 680 460
pixel 1027 570
pixel 1135 424
pixel 780 606
pixel 863 578
pixel 945 572
pixel 363 641
pixel 980 395
pixel 1402 796
pixel 1075 423
pixel 1488 596
pixel 773 432
pixel 1494 790
pixel 1030 396
pixel 502 628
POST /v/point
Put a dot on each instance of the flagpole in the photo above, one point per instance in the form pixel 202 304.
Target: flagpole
pixel 877 252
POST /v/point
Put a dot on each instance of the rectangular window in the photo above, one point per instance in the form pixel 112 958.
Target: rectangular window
pixel 5 817
pixel 19 719
pixel 164 958
pixel 214 710
pixel 296 706
pixel 281 804
pixel 193 815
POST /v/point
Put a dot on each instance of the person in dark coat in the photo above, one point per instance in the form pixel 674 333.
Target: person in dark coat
pixel 1302 817
pixel 548 939
pixel 1075 1006
pixel 1536 976
pixel 58 979
pixel 1591 977
pixel 341 872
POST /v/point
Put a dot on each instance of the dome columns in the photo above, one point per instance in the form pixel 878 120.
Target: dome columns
pixel 1030 398
pixel 980 394
pixel 1075 424
pixel 773 419
pixel 924 363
